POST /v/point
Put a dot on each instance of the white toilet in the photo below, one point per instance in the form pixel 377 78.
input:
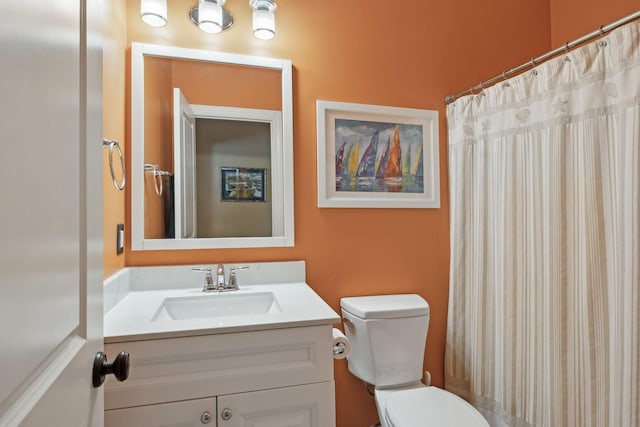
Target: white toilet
pixel 388 334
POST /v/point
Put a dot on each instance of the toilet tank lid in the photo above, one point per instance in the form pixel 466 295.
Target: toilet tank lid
pixel 385 306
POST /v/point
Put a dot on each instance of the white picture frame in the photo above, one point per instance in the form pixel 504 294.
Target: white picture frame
pixel 372 156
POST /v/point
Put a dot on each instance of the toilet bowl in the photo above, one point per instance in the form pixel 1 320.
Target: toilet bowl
pixel 388 336
pixel 425 406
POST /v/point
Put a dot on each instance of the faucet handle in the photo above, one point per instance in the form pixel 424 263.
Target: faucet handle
pixel 233 279
pixel 208 278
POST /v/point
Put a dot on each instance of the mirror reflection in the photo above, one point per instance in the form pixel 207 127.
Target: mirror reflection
pixel 233 164
pixel 211 148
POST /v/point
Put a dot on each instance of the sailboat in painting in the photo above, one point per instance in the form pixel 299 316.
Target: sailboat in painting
pixel 382 164
pixel 417 168
pixel 354 155
pixel 367 167
pixel 339 162
pixel 393 168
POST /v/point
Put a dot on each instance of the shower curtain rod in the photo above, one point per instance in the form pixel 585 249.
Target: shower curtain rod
pixel 534 61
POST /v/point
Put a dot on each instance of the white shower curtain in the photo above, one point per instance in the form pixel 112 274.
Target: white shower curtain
pixel 544 306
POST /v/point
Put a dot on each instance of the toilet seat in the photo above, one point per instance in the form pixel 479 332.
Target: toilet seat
pixel 430 406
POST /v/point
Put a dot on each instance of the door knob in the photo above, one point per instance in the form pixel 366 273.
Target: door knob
pixel 101 368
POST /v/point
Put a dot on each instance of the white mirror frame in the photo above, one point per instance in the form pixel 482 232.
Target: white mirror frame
pixel 282 160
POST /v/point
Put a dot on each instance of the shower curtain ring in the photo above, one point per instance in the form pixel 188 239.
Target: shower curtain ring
pixel 533 65
pixel 602 43
pixel 504 77
pixel 566 50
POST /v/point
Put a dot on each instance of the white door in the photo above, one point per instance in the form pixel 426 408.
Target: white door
pixel 184 168
pixel 50 212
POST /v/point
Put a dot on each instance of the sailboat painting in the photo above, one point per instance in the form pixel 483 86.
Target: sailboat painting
pixel 378 156
pixel 374 156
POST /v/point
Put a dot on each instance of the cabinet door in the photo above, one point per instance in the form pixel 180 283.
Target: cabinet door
pixel 189 413
pixel 309 405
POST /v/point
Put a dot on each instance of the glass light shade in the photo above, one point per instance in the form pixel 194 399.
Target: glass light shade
pixel 210 16
pixel 264 24
pixel 154 12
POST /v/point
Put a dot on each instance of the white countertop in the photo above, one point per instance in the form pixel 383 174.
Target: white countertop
pixel 131 317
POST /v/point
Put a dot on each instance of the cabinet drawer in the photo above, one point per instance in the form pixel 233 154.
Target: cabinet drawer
pixel 167 370
pixel 190 413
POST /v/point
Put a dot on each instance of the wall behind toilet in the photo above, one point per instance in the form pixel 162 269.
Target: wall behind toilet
pixel 407 54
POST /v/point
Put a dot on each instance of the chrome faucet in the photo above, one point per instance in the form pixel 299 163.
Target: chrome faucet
pixel 219 285
pixel 209 286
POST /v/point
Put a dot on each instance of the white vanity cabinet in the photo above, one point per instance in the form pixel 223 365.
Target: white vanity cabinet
pixel 263 378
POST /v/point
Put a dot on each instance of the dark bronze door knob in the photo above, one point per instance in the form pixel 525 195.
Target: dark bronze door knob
pixel 101 367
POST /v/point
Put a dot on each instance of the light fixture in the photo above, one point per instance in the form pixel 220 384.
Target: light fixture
pixel 210 16
pixel 264 22
pixel 154 12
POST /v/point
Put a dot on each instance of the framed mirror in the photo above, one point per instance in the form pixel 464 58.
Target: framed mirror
pixel 211 150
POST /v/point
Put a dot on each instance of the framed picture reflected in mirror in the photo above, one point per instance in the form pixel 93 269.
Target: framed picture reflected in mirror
pixel 243 184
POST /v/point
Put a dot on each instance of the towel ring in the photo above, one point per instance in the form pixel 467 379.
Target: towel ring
pixel 110 144
pixel 157 181
pixel 157 177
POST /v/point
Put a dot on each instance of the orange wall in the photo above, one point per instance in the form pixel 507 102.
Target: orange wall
pixel 113 124
pixel 571 19
pixel 228 85
pixel 408 54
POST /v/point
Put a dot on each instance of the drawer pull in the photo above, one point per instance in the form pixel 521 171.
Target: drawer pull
pixel 206 417
pixel 226 414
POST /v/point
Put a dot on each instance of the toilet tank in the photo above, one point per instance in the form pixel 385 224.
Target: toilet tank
pixel 388 334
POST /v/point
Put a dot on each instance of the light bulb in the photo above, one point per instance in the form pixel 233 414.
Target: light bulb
pixel 210 16
pixel 264 23
pixel 154 12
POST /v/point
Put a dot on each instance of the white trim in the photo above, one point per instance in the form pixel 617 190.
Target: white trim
pixel 211 56
pixel 137 136
pixel 281 155
pixel 214 243
pixel 287 152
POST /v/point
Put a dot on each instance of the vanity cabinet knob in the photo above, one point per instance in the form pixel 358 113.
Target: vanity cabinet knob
pixel 101 368
pixel 226 414
pixel 206 417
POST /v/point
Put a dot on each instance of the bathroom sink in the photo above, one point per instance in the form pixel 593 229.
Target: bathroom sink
pixel 216 305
